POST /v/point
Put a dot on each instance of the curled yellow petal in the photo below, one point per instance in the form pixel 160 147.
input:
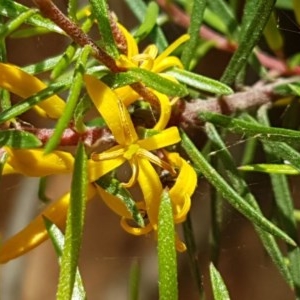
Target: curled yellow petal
pixel 132 48
pixel 183 188
pixel 36 164
pixel 135 230
pixel 151 188
pixel 25 85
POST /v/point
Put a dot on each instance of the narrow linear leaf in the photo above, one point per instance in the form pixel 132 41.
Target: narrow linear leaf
pixel 250 37
pixel 218 286
pixel 138 7
pixel 102 15
pixel 58 240
pixel 113 186
pixel 271 168
pixel 239 184
pixel 149 21
pixel 8 28
pixel 224 12
pixel 28 103
pixel 228 193
pixel 74 227
pixel 158 82
pixel 19 139
pixel 249 129
pixel 196 21
pixel 167 265
pixel 134 281
pixel 13 9
pixel 200 82
pixel 72 100
pixel 285 206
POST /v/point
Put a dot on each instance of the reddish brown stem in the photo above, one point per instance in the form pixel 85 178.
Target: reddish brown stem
pixel 51 11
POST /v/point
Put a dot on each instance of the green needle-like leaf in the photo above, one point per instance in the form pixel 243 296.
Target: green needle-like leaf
pixel 148 22
pixel 218 286
pixel 28 103
pixel 249 129
pixel 102 15
pixel 271 168
pixel 167 265
pixel 228 193
pixel 250 35
pixel 196 21
pixel 58 241
pixel 74 94
pixel 19 139
pixel 74 229
pixel 200 82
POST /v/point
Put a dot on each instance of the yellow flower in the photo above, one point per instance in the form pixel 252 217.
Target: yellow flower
pixel 151 61
pixel 25 85
pixel 137 152
pixel 149 58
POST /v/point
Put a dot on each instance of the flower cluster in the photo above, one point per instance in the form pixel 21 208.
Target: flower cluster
pixel 146 155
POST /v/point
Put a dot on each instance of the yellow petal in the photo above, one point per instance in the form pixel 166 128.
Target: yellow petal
pixel 25 85
pixel 36 164
pixel 135 230
pixel 97 169
pixel 35 233
pixel 167 137
pixel 127 94
pixel 112 110
pixel 152 189
pixel 172 47
pixel 166 63
pixel 183 188
pixel 165 111
pixel 132 48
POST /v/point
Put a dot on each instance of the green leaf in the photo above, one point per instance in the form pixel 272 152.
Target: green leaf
pixel 72 100
pixel 239 184
pixel 11 26
pixel 149 21
pixel 196 21
pixel 74 228
pixel 225 14
pixel 101 12
pixel 113 186
pixel 28 103
pixel 158 82
pixel 228 193
pixel 58 240
pixel 134 280
pixel 138 7
pixel 249 129
pixel 18 139
pixel 271 168
pixel 167 265
pixel 218 286
pixel 200 82
pixel 13 9
pixel 250 34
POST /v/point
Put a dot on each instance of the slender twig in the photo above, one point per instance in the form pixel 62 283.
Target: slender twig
pixel 187 112
pixel 51 11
